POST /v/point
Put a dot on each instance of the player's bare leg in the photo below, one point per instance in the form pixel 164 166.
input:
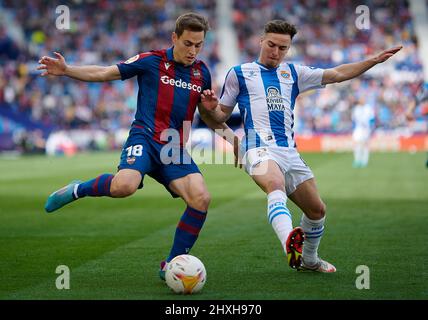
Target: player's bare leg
pixel 193 191
pixel 357 154
pixel 269 177
pixel 123 184
pixel 365 154
pixel 307 198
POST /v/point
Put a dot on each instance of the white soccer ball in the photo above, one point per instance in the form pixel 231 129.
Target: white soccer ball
pixel 185 274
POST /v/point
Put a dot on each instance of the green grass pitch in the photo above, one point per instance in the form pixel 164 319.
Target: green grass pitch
pixel 377 217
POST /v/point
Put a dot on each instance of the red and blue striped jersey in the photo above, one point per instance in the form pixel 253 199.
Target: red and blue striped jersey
pixel 168 91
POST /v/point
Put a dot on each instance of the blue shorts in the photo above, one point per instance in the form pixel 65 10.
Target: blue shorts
pixel 145 155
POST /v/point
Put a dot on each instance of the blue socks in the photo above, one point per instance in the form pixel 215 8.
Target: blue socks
pixel 97 187
pixel 187 232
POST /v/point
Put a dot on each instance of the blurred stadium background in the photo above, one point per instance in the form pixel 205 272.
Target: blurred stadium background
pixel 376 216
pixel 60 115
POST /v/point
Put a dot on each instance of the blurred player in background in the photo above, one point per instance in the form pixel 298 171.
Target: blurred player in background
pixel 421 99
pixel 170 84
pixel 363 118
pixel 266 92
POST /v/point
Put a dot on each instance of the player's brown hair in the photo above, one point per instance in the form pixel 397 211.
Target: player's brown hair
pixel 281 27
pixel 192 22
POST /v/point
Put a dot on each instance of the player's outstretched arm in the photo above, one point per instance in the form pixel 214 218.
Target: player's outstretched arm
pixel 218 112
pixel 58 67
pixel 351 70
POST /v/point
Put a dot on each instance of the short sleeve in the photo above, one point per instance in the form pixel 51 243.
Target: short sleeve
pixel 230 89
pixel 309 78
pixel 133 66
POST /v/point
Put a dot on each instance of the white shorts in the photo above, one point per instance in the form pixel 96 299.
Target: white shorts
pixel 289 161
pixel 361 135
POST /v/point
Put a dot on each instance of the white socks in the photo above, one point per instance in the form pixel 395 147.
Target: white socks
pixel 314 230
pixel 361 154
pixel 280 218
pixel 278 215
pixel 365 155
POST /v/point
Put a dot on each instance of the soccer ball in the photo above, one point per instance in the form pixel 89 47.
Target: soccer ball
pixel 185 274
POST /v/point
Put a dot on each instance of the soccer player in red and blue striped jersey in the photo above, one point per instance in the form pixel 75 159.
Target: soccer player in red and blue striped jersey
pixel 170 84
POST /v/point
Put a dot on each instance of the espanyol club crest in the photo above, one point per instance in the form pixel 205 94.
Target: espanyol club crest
pixel 285 74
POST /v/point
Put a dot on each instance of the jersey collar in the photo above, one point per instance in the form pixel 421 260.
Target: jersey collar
pixel 170 54
pixel 266 67
pixel 170 57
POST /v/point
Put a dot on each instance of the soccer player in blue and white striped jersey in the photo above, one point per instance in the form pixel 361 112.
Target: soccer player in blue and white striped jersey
pixel 363 118
pixel 266 91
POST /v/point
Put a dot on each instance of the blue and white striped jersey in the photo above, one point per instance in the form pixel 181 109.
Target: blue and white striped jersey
pixel 363 117
pixel 266 99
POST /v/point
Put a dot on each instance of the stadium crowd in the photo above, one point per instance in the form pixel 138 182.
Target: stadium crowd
pixel 101 32
pixel 107 32
pixel 328 36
